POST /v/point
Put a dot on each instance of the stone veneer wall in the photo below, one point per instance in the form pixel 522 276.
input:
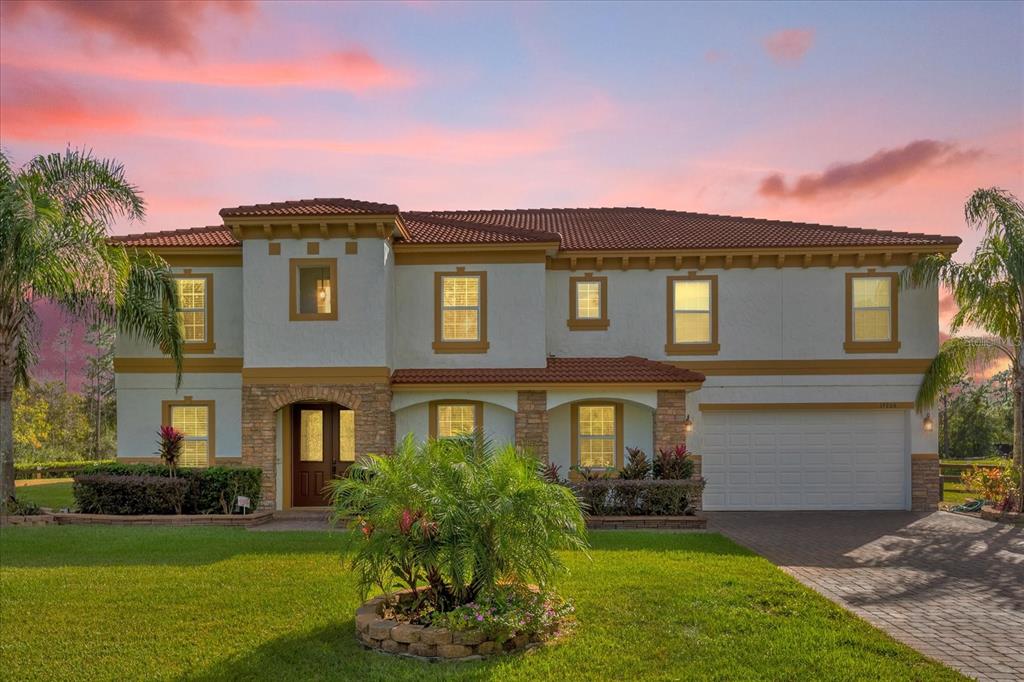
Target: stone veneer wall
pixel 374 422
pixel 532 422
pixel 669 431
pixel 924 482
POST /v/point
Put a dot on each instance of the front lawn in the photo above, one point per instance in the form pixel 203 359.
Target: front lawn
pixel 208 603
pixel 52 495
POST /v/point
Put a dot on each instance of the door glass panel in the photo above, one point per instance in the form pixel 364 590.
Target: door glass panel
pixel 347 451
pixel 311 436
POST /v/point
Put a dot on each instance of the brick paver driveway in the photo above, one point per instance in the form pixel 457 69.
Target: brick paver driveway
pixel 948 585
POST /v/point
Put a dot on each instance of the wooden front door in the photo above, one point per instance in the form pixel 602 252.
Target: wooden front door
pixel 315 445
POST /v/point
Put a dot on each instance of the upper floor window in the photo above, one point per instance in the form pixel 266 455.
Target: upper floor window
pixel 460 312
pixel 449 419
pixel 313 289
pixel 692 315
pixel 597 435
pixel 588 302
pixel 195 303
pixel 195 420
pixel 872 312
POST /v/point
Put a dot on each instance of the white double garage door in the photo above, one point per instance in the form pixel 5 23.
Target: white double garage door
pixel 804 459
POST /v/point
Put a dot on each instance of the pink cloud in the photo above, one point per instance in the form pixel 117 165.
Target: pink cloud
pixel 714 56
pixel 163 26
pixel 353 70
pixel 789 45
pixel 879 171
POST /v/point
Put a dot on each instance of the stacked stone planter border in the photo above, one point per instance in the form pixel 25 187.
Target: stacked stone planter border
pixel 429 643
pixel 990 513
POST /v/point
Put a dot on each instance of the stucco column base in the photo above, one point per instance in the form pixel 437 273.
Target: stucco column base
pixel 374 422
pixel 532 422
pixel 924 482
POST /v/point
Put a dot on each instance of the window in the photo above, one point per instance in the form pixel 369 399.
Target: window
pixel 347 435
pixel 692 315
pixel 195 301
pixel 449 419
pixel 872 312
pixel 314 289
pixel 460 312
pixel 588 303
pixel 597 435
pixel 195 420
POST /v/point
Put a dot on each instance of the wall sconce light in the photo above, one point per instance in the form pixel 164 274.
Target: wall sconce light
pixel 927 422
pixel 688 424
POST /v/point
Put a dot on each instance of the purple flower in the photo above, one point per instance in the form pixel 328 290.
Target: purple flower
pixel 480 618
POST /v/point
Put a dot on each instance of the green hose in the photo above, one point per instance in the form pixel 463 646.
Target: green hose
pixel 972 506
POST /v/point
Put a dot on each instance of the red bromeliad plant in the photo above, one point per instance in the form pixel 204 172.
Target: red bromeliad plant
pixel 170 442
pixel 673 464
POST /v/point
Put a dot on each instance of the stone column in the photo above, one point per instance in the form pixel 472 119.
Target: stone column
pixel 668 420
pixel 532 422
pixel 924 482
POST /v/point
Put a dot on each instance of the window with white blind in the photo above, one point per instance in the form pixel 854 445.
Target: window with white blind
pixel 597 435
pixel 195 311
pixel 460 315
pixel 194 420
pixel 588 303
pixel 692 315
pixel 450 419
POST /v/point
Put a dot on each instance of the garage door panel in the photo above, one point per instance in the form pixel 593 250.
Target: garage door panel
pixel 804 459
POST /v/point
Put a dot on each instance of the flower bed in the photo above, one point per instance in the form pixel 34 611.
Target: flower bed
pixel 469 632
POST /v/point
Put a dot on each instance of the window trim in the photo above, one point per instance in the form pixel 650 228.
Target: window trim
pixel 211 426
pixel 207 346
pixel 588 324
pixel 671 346
pixel 893 344
pixel 480 345
pixel 478 414
pixel 293 284
pixel 574 418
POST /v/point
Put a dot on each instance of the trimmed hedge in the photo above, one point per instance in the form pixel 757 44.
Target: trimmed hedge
pixel 57 469
pixel 206 491
pixel 623 497
pixel 111 494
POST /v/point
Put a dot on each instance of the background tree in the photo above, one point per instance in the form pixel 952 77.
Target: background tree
pixel 54 217
pixel 989 293
pixel 99 376
pixel 62 345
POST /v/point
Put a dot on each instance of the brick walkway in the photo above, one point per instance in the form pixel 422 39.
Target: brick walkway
pixel 948 585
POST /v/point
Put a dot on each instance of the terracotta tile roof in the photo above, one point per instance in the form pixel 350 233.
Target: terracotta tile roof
pixel 426 229
pixel 624 370
pixel 309 207
pixel 583 229
pixel 212 235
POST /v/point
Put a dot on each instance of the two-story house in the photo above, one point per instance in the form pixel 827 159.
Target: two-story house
pixel 785 355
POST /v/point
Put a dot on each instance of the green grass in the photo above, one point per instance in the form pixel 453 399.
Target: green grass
pixel 52 495
pixel 92 603
pixel 984 461
pixel 955 493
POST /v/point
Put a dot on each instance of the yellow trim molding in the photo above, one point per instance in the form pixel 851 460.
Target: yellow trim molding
pixel 481 344
pixel 165 365
pixel 805 367
pixel 211 419
pixel 293 303
pixel 574 417
pixel 316 227
pixel 595 324
pixel 253 376
pixel 671 346
pixel 893 344
pixel 749 407
pixel 478 414
pixel 447 254
pixel 202 258
pixel 525 386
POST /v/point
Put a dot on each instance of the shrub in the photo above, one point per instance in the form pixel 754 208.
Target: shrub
pixel 170 441
pixel 994 484
pixel 623 497
pixel 112 494
pixel 207 491
pixel 458 516
pixel 673 464
pixel 508 613
pixel 20 507
pixel 56 469
pixel 637 467
pixel 551 472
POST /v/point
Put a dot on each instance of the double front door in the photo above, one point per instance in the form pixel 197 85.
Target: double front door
pixel 322 448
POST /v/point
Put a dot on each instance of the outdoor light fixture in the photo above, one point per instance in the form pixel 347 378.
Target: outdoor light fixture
pixel 688 424
pixel 927 423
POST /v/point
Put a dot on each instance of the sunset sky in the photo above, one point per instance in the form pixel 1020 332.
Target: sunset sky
pixel 873 115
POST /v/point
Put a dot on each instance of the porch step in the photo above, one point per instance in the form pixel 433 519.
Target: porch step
pixel 305 514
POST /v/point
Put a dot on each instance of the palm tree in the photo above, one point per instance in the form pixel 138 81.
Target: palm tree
pixel 54 215
pixel 989 292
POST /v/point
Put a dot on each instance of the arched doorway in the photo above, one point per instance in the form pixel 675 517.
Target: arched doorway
pixel 319 442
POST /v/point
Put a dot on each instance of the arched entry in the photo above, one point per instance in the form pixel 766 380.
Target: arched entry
pixel 320 446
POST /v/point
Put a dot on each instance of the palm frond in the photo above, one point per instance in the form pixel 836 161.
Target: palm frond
pixel 87 186
pixel 955 357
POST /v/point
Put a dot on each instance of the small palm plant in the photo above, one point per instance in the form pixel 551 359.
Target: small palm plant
pixel 459 516
pixel 170 442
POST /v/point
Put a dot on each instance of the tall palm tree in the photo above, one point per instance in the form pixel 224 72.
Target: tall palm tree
pixel 989 292
pixel 54 216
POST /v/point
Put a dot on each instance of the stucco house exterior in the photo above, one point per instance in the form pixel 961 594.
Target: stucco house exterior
pixel 784 354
